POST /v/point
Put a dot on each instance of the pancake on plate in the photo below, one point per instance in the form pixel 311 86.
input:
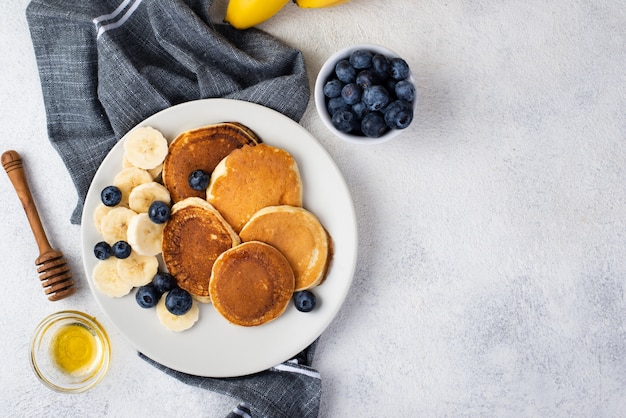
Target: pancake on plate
pixel 201 149
pixel 251 284
pixel 299 235
pixel 193 238
pixel 251 178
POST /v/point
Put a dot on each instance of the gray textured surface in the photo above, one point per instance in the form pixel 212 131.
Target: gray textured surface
pixel 492 276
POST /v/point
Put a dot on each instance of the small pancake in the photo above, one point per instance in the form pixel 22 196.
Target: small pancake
pixel 201 149
pixel 251 284
pixel 299 235
pixel 251 178
pixel 194 236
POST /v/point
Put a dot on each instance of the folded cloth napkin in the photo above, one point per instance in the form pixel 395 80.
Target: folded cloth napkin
pixel 290 390
pixel 106 65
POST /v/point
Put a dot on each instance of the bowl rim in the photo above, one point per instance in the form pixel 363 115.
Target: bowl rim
pixel 46 324
pixel 320 98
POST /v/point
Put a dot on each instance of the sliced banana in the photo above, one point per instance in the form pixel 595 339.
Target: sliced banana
pixel 177 323
pixel 145 147
pixel 114 225
pixel 142 196
pixel 144 236
pixel 154 172
pixel 129 178
pixel 108 281
pixel 137 270
pixel 98 214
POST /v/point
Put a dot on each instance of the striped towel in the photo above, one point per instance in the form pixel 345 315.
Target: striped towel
pixel 289 390
pixel 106 65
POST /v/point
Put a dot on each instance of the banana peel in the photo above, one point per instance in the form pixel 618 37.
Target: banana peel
pixel 244 14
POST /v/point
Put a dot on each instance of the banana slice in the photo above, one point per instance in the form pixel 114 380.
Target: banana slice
pixel 154 172
pixel 137 270
pixel 177 323
pixel 98 214
pixel 114 225
pixel 142 196
pixel 108 281
pixel 129 178
pixel 145 147
pixel 144 236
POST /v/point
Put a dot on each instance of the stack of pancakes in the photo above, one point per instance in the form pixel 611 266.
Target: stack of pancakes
pixel 246 244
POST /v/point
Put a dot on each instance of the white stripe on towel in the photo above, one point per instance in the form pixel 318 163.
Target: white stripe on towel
pixel 300 370
pixel 240 412
pixel 120 22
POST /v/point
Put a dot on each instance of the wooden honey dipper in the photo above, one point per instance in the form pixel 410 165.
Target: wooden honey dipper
pixel 55 274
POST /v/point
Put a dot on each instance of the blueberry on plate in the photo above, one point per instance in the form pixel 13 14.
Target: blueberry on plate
pixel 147 296
pixel 178 301
pixel 121 249
pixel 304 301
pixel 361 59
pixel 376 97
pixel 111 196
pixel 164 282
pixel 344 120
pixel 333 87
pixel 373 125
pixel 102 250
pixel 159 212
pixel 398 114
pixel 198 180
pixel 345 72
pixel 366 79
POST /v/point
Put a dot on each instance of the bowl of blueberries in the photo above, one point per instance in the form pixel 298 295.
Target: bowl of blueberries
pixel 365 94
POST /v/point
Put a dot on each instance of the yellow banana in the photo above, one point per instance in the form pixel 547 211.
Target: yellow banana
pixel 243 14
pixel 316 4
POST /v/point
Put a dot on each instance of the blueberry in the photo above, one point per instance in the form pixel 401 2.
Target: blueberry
pixel 360 110
pixel 344 120
pixel 399 114
pixel 405 90
pixel 399 69
pixel 304 301
pixel 164 282
pixel 159 212
pixel 376 97
pixel 333 87
pixel 147 296
pixel 373 125
pixel 198 180
pixel 102 250
pixel 366 79
pixel 345 72
pixel 360 59
pixel 121 249
pixel 111 196
pixel 351 93
pixel 178 301
pixel 381 65
pixel 336 104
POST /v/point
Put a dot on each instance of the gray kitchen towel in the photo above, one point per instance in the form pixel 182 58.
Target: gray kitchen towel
pixel 106 65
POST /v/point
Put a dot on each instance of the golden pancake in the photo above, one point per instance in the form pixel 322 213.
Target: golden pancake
pixel 251 178
pixel 251 284
pixel 299 235
pixel 201 149
pixel 193 238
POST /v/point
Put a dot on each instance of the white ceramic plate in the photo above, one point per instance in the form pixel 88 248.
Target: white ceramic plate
pixel 213 347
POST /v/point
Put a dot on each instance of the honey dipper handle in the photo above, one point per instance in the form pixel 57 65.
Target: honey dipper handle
pixel 12 163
